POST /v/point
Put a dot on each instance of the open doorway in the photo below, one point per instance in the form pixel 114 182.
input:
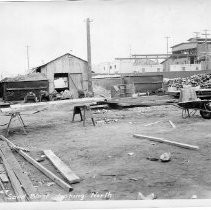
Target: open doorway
pixel 61 82
pixel 192 60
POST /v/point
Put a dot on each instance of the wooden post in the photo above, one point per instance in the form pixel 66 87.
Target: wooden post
pixel 89 55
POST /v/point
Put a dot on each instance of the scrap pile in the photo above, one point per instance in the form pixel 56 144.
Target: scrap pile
pixel 66 94
pixel 99 91
pixel 12 174
pixel 198 80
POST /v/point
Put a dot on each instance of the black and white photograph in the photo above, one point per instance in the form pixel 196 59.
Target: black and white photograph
pixel 105 102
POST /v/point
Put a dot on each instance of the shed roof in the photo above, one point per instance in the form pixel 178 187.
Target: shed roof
pixel 184 46
pixel 27 77
pixel 59 58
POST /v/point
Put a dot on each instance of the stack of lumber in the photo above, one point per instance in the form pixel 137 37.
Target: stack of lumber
pixel 11 171
pixel 20 182
pixel 201 80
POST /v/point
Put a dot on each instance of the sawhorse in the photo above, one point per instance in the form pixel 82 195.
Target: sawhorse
pixel 86 111
pixel 12 116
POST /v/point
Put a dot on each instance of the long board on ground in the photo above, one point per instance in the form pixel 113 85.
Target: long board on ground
pixel 20 196
pixel 48 173
pixel 66 172
pixel 22 177
pixel 161 140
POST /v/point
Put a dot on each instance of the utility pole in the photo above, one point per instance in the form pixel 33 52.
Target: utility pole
pixel 196 41
pixel 167 45
pixel 130 51
pixel 206 46
pixel 27 53
pixel 89 55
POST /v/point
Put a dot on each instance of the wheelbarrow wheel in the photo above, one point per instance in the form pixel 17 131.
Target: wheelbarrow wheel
pixel 205 114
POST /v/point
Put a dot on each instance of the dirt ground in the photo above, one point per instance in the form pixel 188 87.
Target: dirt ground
pixel 99 155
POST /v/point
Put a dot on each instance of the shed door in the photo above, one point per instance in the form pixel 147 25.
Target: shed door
pixel 76 82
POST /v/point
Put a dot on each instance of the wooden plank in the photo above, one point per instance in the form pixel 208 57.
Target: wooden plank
pixel 3 188
pixel 4 178
pixel 66 172
pixel 4 191
pixel 48 173
pixel 172 124
pixel 161 140
pixel 2 169
pixel 152 123
pixel 28 88
pixel 23 178
pixel 20 196
pixel 12 145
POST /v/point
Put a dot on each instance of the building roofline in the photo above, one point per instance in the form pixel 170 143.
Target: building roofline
pixel 181 44
pixel 58 58
pixel 199 39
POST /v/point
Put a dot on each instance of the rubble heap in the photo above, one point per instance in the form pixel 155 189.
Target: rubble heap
pixel 201 80
pixel 100 91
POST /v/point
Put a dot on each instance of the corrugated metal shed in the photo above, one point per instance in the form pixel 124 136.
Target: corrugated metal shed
pixel 72 69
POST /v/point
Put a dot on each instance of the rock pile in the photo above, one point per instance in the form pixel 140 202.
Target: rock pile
pixel 201 80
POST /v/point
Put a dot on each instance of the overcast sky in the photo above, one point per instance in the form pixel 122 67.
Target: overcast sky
pixel 55 28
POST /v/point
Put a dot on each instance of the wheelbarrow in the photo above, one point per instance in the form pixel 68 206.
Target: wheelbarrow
pixel 191 107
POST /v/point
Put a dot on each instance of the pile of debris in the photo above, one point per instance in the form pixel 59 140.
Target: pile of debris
pixel 198 80
pixel 99 91
pixel 12 174
pixel 66 94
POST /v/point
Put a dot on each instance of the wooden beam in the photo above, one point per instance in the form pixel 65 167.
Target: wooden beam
pixel 20 196
pixel 2 169
pixel 66 172
pixel 3 188
pixel 172 124
pixel 12 145
pixel 161 140
pixel 22 177
pixel 152 123
pixel 4 178
pixel 45 171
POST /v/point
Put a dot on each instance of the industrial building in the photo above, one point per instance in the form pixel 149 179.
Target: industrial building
pixel 66 72
pixel 128 65
pixel 193 55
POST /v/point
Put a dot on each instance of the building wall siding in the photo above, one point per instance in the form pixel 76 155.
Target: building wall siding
pixel 186 67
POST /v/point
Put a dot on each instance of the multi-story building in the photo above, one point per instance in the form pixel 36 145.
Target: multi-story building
pixel 193 55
